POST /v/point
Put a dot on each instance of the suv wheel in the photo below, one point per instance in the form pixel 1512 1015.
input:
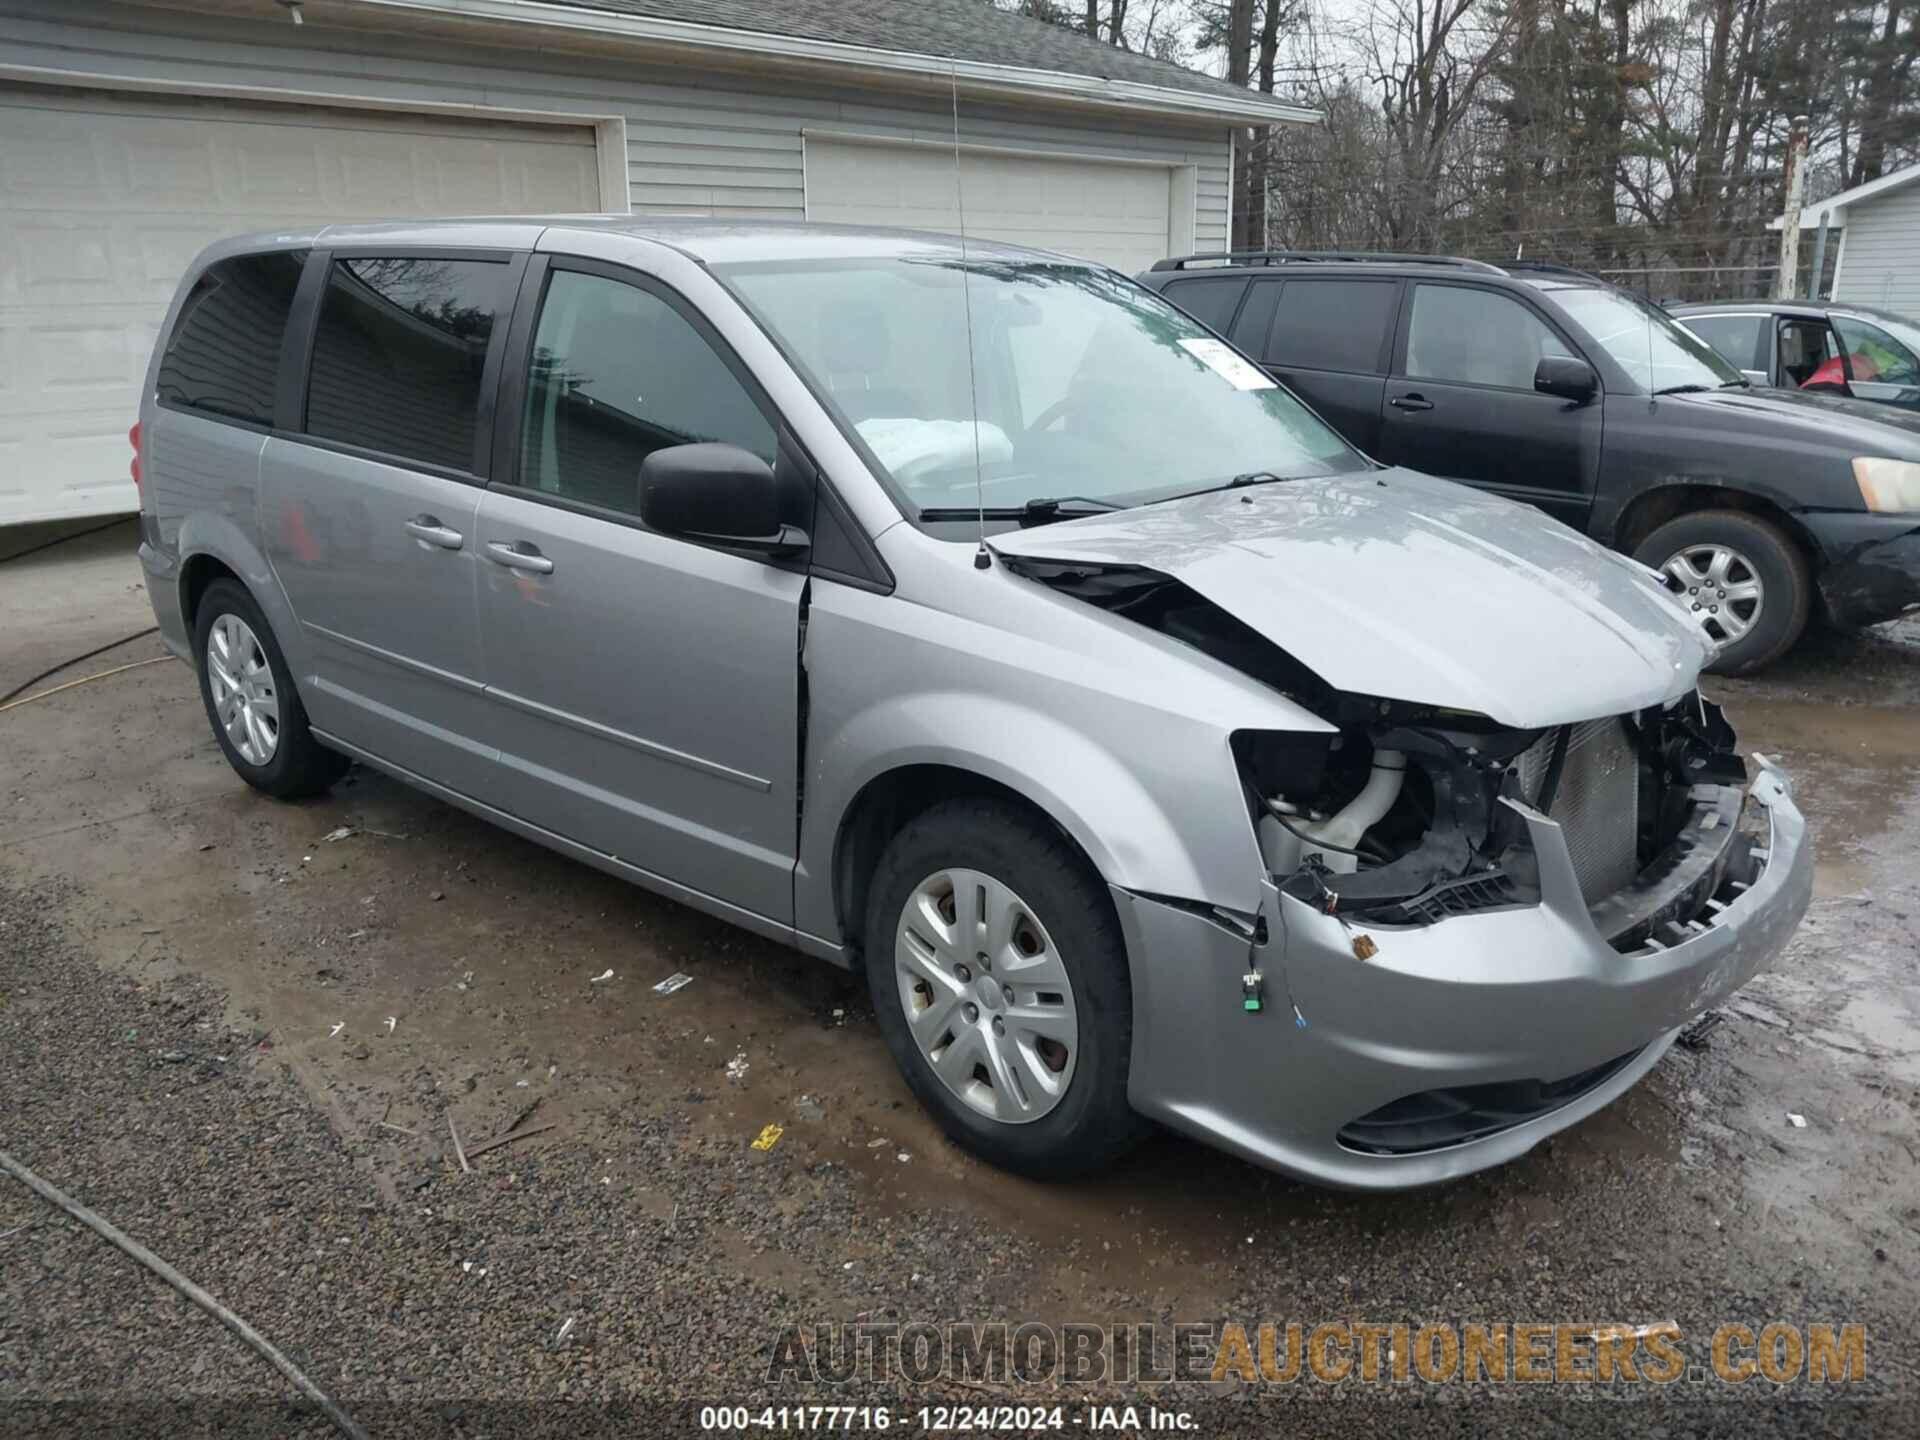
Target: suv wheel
pixel 255 712
pixel 1000 982
pixel 1745 582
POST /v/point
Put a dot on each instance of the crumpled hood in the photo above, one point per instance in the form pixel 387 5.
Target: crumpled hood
pixel 1397 585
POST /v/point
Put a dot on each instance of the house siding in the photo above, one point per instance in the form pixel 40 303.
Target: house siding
pixel 1881 262
pixel 698 142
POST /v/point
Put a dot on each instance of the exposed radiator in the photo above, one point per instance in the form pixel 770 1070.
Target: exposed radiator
pixel 1597 804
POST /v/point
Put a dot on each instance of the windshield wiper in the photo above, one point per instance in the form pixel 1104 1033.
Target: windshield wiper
pixel 1047 506
pixel 1689 389
pixel 1742 382
pixel 1036 511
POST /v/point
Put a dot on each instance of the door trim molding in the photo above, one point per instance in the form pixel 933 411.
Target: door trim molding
pixel 627 738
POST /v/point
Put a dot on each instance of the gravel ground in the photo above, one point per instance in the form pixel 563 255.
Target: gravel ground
pixel 175 953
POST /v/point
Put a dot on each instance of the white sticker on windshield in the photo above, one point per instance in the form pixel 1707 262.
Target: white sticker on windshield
pixel 1224 361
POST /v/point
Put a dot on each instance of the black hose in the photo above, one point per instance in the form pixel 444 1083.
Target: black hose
pixel 63 539
pixel 26 685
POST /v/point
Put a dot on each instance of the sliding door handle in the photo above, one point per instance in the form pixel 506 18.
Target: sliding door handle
pixel 519 555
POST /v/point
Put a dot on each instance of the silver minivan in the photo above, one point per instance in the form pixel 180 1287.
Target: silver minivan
pixel 970 616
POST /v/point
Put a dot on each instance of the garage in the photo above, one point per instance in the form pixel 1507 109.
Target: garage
pixel 104 197
pixel 1114 211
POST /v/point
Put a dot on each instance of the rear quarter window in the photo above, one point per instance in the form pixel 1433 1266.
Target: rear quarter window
pixel 399 352
pixel 224 352
pixel 1211 301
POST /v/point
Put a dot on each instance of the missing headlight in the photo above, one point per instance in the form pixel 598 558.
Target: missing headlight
pixel 1394 823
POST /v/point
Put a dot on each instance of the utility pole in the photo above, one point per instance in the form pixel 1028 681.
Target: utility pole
pixel 1789 278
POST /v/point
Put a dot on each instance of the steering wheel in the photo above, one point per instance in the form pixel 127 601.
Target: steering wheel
pixel 1053 412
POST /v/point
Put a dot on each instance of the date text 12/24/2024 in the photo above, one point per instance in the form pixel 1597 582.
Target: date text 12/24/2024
pixel 949 1419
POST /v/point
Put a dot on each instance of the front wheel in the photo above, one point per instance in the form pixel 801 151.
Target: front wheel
pixel 1745 583
pixel 999 979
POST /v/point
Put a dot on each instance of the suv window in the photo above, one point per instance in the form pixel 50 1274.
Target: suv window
pixel 1211 301
pixel 617 373
pixel 224 353
pixel 1333 324
pixel 1476 337
pixel 1736 337
pixel 1875 355
pixel 398 355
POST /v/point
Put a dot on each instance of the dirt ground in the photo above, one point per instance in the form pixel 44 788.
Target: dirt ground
pixel 243 1040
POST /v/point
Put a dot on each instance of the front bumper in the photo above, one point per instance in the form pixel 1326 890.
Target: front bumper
pixel 1872 571
pixel 1524 994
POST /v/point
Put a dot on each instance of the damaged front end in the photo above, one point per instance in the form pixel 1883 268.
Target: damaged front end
pixel 1407 817
pixel 1413 813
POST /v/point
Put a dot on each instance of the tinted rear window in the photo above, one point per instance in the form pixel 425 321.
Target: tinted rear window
pixel 1736 337
pixel 1211 301
pixel 398 355
pixel 1332 324
pixel 224 352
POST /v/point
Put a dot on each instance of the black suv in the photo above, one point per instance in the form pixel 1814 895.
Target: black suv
pixel 1551 386
pixel 1818 345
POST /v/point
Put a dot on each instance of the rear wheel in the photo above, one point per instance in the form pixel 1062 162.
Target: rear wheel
pixel 1745 582
pixel 1000 982
pixel 255 712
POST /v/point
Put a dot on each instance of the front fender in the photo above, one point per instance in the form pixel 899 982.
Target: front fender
pixel 1136 768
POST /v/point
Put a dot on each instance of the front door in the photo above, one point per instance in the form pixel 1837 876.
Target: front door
pixel 645 688
pixel 1461 402
pixel 369 516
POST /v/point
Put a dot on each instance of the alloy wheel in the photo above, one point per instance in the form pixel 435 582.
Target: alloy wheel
pixel 244 697
pixel 987 1000
pixel 1722 588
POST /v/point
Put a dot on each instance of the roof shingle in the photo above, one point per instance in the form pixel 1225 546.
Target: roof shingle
pixel 964 30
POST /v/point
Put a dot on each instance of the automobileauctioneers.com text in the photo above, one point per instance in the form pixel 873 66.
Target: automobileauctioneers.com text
pixel 1764 1354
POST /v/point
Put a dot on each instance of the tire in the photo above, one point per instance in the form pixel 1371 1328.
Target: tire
pixel 1761 555
pixel 1059 923
pixel 277 756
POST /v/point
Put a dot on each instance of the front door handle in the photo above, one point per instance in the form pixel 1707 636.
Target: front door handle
pixel 428 530
pixel 519 555
pixel 1410 402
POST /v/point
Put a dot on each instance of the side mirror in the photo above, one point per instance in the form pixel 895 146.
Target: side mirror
pixel 1566 377
pixel 1756 377
pixel 717 493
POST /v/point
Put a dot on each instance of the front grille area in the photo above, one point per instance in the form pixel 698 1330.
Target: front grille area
pixel 1597 804
pixel 1435 1119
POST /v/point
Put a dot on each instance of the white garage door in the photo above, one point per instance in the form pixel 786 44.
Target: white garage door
pixel 1114 213
pixel 104 199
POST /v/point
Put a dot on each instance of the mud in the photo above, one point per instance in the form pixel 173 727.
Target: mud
pixel 458 963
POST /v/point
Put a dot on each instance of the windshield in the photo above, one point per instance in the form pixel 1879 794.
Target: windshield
pixel 1646 342
pixel 1090 388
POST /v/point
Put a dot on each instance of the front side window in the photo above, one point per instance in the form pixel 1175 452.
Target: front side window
pixel 1469 336
pixel 618 373
pixel 224 353
pixel 1083 383
pixel 1736 337
pixel 1334 325
pixel 399 353
pixel 1659 354
pixel 1876 354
